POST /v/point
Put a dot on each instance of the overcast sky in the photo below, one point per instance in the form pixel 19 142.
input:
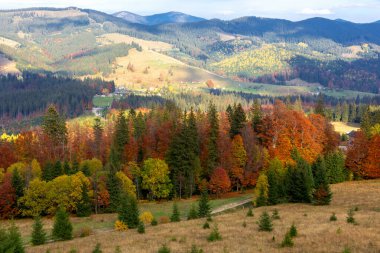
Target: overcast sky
pixel 358 11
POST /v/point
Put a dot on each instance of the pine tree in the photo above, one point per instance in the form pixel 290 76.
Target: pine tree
pixel 214 235
pixel 250 212
pixel 86 170
pixel 47 171
pixel 114 189
pixel 237 120
pixel 273 186
pixel 129 212
pixel 74 167
pixel 288 241
pixel 163 249
pixel 293 231
pixel 97 249
pixel 98 134
pixel 176 214
pixel 10 241
pixel 320 105
pixel 322 194
pixel 84 206
pixel 261 199
pixel 193 213
pixel 257 116
pixel 66 168
pixel 57 170
pixel 265 223
pixel 120 138
pixel 212 145
pixel 141 228
pixel 365 123
pixel 38 234
pixel 18 184
pixel 204 206
pixel 62 229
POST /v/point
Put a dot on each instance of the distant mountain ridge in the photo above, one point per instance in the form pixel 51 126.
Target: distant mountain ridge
pixel 158 19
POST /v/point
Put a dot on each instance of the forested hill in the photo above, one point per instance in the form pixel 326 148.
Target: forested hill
pixel 157 19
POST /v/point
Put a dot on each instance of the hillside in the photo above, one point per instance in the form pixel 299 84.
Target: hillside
pixel 158 19
pixel 312 223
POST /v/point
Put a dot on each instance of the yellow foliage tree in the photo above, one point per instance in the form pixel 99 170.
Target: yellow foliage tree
pixel 127 185
pixel 262 183
pixel 94 165
pixel 35 200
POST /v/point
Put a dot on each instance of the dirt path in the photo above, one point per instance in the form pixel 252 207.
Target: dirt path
pixel 230 206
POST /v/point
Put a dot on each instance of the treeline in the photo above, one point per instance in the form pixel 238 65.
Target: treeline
pixel 30 94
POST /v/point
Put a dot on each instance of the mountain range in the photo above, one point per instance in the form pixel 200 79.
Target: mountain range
pixel 158 19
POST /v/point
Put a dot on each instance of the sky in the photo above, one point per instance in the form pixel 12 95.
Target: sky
pixel 357 11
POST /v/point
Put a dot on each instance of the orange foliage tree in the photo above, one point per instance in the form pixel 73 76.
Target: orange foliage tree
pixel 219 182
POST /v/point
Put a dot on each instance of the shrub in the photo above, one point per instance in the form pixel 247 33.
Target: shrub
pixel 275 215
pixel 194 249
pixel 38 234
pixel 288 241
pixel 141 228
pixel 293 231
pixel 97 249
pixel 350 216
pixel 164 219
pixel 214 235
pixel 265 223
pixel 346 250
pixel 154 222
pixel 62 230
pixel 176 214
pixel 163 249
pixel 250 212
pixel 193 213
pixel 209 218
pixel 83 232
pixel 244 224
pixel 117 249
pixel 146 217
pixel 120 226
pixel 333 217
pixel 206 225
pixel 10 240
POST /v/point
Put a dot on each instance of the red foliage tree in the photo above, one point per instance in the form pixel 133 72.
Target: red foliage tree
pixel 8 204
pixel 219 182
pixel 371 166
pixel 357 154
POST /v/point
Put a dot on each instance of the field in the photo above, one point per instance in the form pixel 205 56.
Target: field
pixel 344 128
pixel 7 66
pixel 316 232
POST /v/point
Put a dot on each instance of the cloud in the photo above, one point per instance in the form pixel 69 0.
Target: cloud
pixel 310 11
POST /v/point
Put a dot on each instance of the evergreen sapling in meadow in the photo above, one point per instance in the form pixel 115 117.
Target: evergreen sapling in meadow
pixel 62 229
pixel 38 234
pixel 176 214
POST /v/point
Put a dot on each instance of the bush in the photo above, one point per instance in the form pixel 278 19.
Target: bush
pixel 215 235
pixel 176 214
pixel 206 225
pixel 250 212
pixel 288 241
pixel 244 224
pixel 62 230
pixel 194 249
pixel 97 249
pixel 163 249
pixel 120 226
pixel 275 215
pixel 265 223
pixel 146 217
pixel 193 213
pixel 350 216
pixel 10 240
pixel 209 218
pixel 83 232
pixel 293 231
pixel 333 217
pixel 117 249
pixel 141 228
pixel 154 222
pixel 164 219
pixel 38 234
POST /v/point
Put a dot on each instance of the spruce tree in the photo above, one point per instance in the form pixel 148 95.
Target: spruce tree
pixel 10 240
pixel 74 167
pixel 84 206
pixel 204 206
pixel 257 116
pixel 47 171
pixel 273 186
pixel 320 105
pixel 120 138
pixel 293 231
pixel 261 199
pixel 38 234
pixel 86 170
pixel 62 229
pixel 322 194
pixel 176 214
pixel 18 184
pixel 97 249
pixel 114 189
pixel 250 212
pixel 66 168
pixel 141 228
pixel 288 241
pixel 57 170
pixel 98 134
pixel 129 212
pixel 214 235
pixel 265 223
pixel 193 213
pixel 212 145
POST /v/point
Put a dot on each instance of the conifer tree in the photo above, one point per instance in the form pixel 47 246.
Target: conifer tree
pixel 204 206
pixel 129 212
pixel 98 133
pixel 212 145
pixel 265 223
pixel 57 170
pixel 114 189
pixel 176 214
pixel 66 168
pixel 97 249
pixel 322 194
pixel 18 184
pixel 62 229
pixel 38 234
pixel 261 199
pixel 193 213
pixel 257 116
pixel 86 170
pixel 320 105
pixel 84 206
pixel 141 228
pixel 10 241
pixel 47 171
pixel 273 186
pixel 237 119
pixel 120 139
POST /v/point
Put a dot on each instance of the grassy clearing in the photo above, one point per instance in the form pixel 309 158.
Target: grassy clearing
pixel 316 233
pixel 98 101
pixel 344 128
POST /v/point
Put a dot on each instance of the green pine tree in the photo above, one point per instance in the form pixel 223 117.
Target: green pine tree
pixel 86 170
pixel 288 241
pixel 66 168
pixel 38 234
pixel 141 228
pixel 62 229
pixel 261 199
pixel 129 212
pixel 18 184
pixel 265 223
pixel 214 235
pixel 163 249
pixel 204 206
pixel 250 212
pixel 212 145
pixel 97 249
pixel 84 206
pixel 176 214
pixel 10 240
pixel 114 189
pixel 322 194
pixel 193 213
pixel 57 170
pixel 293 231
